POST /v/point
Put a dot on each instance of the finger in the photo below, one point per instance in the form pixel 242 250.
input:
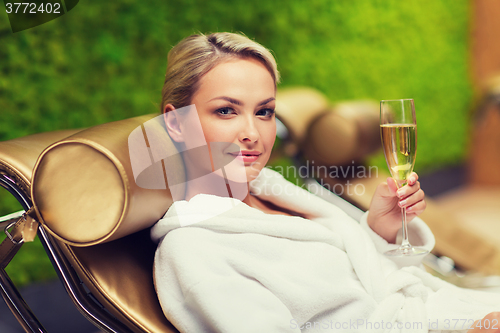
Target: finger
pixel 408 190
pixel 412 179
pixel 386 189
pixel 417 208
pixel 412 199
pixel 392 185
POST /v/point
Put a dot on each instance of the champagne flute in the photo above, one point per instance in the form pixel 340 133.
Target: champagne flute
pixel 398 130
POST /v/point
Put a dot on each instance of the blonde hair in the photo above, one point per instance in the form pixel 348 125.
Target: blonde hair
pixel 195 55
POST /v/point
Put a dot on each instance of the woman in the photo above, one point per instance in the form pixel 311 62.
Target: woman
pixel 237 256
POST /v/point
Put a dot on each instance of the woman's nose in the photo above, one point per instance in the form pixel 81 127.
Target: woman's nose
pixel 248 132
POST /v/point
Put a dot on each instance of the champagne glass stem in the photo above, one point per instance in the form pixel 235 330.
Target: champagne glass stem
pixel 405 244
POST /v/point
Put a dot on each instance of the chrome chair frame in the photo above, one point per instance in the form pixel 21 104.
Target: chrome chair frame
pixel 81 297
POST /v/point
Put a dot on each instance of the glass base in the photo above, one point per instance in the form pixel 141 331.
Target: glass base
pixel 406 252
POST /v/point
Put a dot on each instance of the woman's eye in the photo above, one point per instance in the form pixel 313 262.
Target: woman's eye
pixel 225 111
pixel 266 112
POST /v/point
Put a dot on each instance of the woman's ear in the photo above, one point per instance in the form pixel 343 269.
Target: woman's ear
pixel 172 123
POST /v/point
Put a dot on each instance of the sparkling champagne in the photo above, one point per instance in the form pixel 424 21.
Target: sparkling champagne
pixel 400 147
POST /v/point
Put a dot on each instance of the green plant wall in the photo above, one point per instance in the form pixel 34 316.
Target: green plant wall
pixel 105 60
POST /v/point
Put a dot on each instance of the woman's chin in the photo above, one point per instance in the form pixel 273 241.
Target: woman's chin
pixel 238 173
pixel 232 175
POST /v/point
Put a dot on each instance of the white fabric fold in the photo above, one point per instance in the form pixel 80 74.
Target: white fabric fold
pixel 233 268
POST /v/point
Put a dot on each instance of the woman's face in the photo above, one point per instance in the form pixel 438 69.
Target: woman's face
pixel 235 103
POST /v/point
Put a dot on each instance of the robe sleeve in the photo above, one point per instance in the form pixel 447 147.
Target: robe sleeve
pixel 419 234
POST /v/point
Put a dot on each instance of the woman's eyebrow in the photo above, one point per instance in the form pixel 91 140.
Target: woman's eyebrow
pixel 229 99
pixel 267 101
pixel 237 102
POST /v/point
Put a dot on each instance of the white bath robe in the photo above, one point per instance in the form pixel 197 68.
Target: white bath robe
pixel 223 266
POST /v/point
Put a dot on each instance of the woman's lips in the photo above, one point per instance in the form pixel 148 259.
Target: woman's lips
pixel 248 159
pixel 247 156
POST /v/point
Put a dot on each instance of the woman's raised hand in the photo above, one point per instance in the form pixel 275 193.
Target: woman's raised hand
pixel 384 216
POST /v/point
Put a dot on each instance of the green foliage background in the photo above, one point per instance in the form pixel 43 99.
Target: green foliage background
pixel 105 61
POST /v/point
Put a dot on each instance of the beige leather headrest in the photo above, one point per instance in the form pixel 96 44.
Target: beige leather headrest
pixel 347 132
pixel 329 134
pixel 18 156
pixel 296 107
pixel 84 188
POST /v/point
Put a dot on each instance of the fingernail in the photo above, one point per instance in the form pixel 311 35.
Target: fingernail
pixel 402 203
pixel 400 193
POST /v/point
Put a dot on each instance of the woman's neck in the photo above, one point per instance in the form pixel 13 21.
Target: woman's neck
pixel 215 185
